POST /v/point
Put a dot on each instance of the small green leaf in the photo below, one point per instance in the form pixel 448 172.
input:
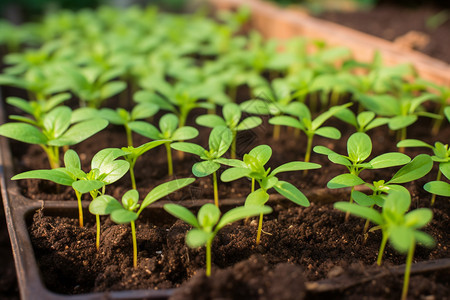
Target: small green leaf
pixel 54 175
pixel 329 132
pixel 189 148
pixel 57 121
pixel 123 216
pixel 295 166
pixel 220 140
pixel 401 238
pixel 424 239
pixel 210 121
pixel 168 124
pixel 418 218
pixel 339 159
pixel 359 146
pixel 80 132
pixel 144 110
pixel 241 212
pixel 197 238
pixel 387 160
pixel 24 133
pixel 112 88
pixel 249 123
pixel 205 168
pixel 344 180
pixel 234 174
pixel 164 189
pixel 261 153
pixel 360 211
pixel 145 129
pixel 181 213
pixel 413 143
pixel 323 150
pixel 286 121
pixel 85 186
pixel 72 160
pixel 291 193
pixel 184 133
pixel 417 168
pixel 400 122
pixel 440 188
pixel 257 198
pixel 365 117
pixel 208 216
pixel 104 205
pixel 362 199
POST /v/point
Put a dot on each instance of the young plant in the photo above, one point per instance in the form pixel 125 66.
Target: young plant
pixel 122 117
pixel 131 155
pixel 362 122
pixel 168 131
pixel 359 148
pixel 305 123
pixel 220 140
pixel 55 131
pixel 442 157
pixel 231 119
pixel 252 166
pixel 129 210
pixel 399 227
pixel 208 222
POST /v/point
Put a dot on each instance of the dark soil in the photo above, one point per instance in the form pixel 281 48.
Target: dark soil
pixel 391 22
pixel 315 240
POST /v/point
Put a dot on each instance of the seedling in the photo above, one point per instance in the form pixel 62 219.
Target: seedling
pixel 169 132
pixel 399 227
pixel 305 123
pixel 131 155
pixel 220 140
pixel 122 117
pixel 55 131
pixel 403 112
pixel 231 119
pixel 359 148
pixel 208 222
pixel 252 166
pixel 441 156
pixel 362 122
pixel 129 210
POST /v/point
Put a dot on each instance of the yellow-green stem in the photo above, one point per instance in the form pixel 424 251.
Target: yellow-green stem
pixel 334 98
pixel 133 235
pixel 216 190
pixel 169 159
pixel 366 225
pixel 382 246
pixel 97 241
pixel 276 132
pixel 258 234
pixel 437 122
pixel 253 185
pixel 133 179
pixel 347 215
pixel 408 269
pixel 129 135
pixel 80 208
pixel 401 136
pixel 208 258
pixel 438 178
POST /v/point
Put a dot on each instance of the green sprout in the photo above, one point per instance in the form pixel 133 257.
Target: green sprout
pixel 399 227
pixel 220 140
pixel 130 210
pixel 252 166
pixel 169 132
pixel 208 222
pixel 447 112
pixel 55 130
pixel 132 154
pixel 122 117
pixel 231 119
pixel 362 122
pixel 442 157
pixel 305 123
pixel 359 148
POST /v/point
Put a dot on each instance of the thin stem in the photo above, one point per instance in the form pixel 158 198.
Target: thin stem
pixel 334 98
pixel 129 135
pixel 258 235
pixel 276 132
pixel 253 185
pixel 408 269
pixel 347 215
pixel 133 235
pixel 208 258
pixel 233 145
pixel 382 246
pixel 438 178
pixel 97 241
pixel 216 191
pixel 308 148
pixel 133 179
pixel 401 137
pixel 366 225
pixel 437 122
pixel 169 159
pixel 80 208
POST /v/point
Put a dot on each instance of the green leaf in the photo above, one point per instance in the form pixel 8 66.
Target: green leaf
pixel 197 238
pixel 181 213
pixel 440 188
pixel 365 117
pixel 72 160
pixel 249 123
pixel 164 189
pixel 413 143
pixel 220 140
pixel 210 121
pixel 184 133
pixel 362 199
pixel 80 132
pixel 360 211
pixel 20 103
pixel 319 120
pixel 85 186
pixel 377 122
pixel 130 200
pixel 168 124
pixel 444 167
pixel 208 216
pixel 418 218
pixel 383 105
pixel 123 216
pixel 54 175
pixel 286 121
pixel 241 212
pixel 257 107
pixel 359 146
pixel 205 168
pixel 401 238
pixel 112 88
pixel 83 114
pixel 387 160
pixel 261 153
pixel 144 110
pixel 347 116
pixel 424 239
pixel 106 156
pixel 417 168
pixel 291 193
pixel 189 148
pixel 257 198
pixel 114 171
pixel 295 166
pixel 24 133
pixel 113 116
pixel 323 150
pixel 234 174
pixel 104 205
pixel 329 132
pixel 57 121
pixel 145 129
pixel 339 159
pixel 400 122
pixel 344 180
